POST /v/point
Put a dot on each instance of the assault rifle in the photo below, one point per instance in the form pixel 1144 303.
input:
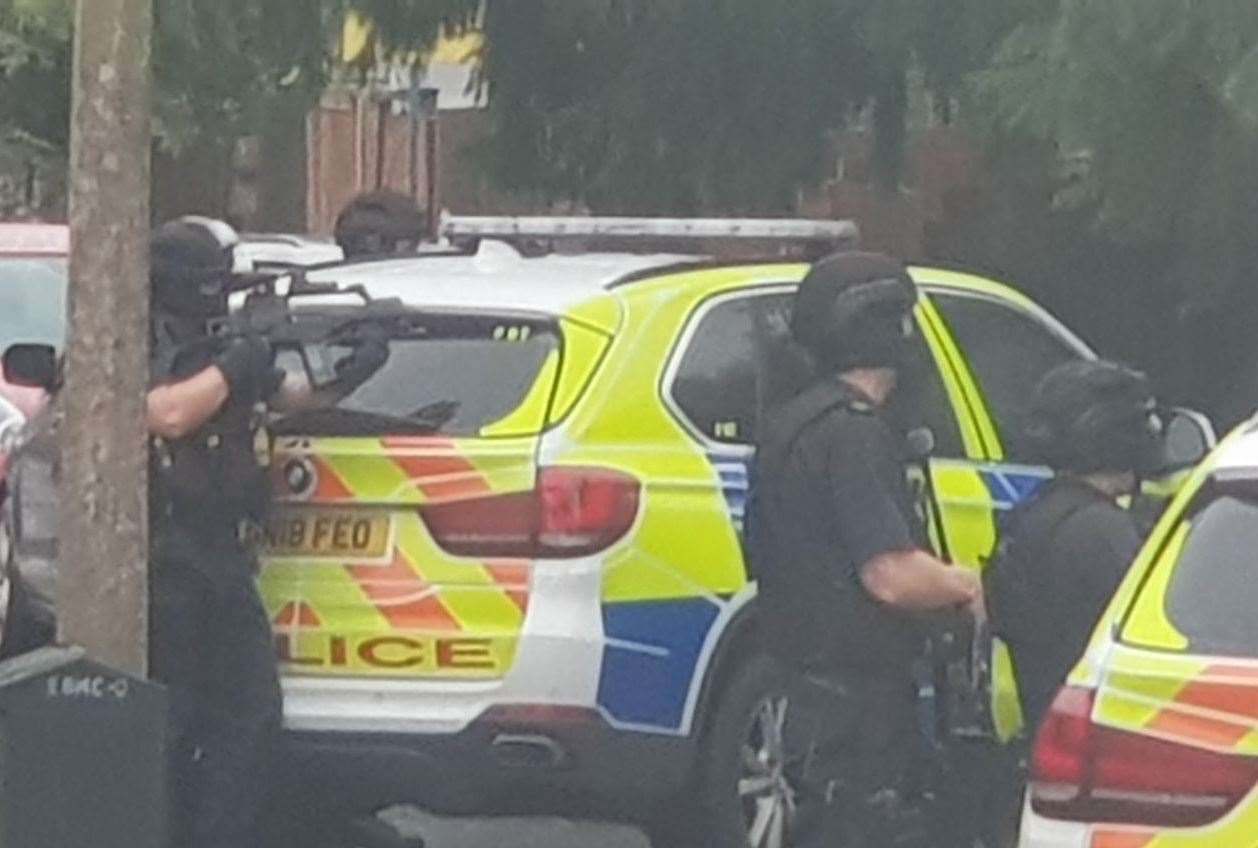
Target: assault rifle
pixel 311 333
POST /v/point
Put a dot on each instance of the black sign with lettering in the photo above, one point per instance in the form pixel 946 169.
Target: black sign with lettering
pixel 82 753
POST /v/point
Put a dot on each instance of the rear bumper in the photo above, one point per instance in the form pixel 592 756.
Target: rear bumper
pixel 1040 832
pixel 494 765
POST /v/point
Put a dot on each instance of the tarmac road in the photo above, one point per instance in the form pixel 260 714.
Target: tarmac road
pixel 514 832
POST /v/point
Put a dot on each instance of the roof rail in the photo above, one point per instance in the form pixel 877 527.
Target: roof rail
pixel 839 234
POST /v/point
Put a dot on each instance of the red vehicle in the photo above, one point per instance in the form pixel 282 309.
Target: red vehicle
pixel 33 282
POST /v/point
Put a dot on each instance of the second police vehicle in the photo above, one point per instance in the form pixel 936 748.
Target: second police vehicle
pixel 1153 742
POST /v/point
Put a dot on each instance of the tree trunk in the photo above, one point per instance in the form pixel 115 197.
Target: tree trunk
pixel 103 574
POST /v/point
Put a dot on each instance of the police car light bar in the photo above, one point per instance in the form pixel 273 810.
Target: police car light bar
pixel 770 229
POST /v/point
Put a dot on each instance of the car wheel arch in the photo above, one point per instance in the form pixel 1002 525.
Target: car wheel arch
pixel 738 643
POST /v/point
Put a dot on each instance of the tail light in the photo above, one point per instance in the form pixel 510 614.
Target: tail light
pixel 572 512
pixel 1082 771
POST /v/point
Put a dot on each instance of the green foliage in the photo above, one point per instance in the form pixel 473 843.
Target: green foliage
pixel 1156 94
pixel 221 66
pixel 646 105
pixel 661 105
pixel 719 105
pixel 34 102
pixel 1152 107
pixel 34 72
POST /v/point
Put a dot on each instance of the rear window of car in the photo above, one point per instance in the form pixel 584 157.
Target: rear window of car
pixel 1213 594
pixel 455 375
pixel 32 301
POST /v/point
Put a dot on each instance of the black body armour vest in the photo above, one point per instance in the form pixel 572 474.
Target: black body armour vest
pixel 815 613
pixel 214 480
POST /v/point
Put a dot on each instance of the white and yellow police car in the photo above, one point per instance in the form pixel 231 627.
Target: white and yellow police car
pixel 508 570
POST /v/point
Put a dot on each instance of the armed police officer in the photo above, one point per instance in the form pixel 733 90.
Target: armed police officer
pixel 1064 552
pixel 211 639
pixel 839 555
pixel 379 224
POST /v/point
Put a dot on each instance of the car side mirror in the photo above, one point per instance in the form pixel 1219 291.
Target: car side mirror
pixel 32 366
pixel 1188 437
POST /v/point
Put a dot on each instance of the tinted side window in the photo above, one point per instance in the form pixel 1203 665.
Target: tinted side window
pixel 1214 591
pixel 739 361
pixel 921 400
pixel 1008 352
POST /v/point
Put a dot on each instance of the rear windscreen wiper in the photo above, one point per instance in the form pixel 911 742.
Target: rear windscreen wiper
pixel 333 421
pixel 436 413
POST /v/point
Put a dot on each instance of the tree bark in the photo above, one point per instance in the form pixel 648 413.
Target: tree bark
pixel 103 563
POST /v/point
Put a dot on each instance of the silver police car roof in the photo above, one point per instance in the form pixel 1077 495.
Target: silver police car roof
pixel 497 276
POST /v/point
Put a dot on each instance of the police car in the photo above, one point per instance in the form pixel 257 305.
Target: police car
pixel 507 571
pixel 1153 742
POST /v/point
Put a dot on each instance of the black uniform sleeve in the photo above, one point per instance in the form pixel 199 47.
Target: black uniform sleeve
pixel 1098 546
pixel 869 490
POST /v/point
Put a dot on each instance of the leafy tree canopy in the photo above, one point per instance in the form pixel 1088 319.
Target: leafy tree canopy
pixel 1153 106
pixel 34 72
pixel 220 65
pixel 649 105
pixel 692 105
pixel 1157 99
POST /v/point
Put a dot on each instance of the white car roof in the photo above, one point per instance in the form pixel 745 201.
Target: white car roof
pixel 496 276
pixel 34 239
pixel 261 250
pixel 1241 452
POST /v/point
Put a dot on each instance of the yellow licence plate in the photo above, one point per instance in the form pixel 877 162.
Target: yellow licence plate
pixel 329 533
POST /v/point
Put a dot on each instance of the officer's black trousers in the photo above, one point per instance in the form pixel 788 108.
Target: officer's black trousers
pixel 211 646
pixel 854 743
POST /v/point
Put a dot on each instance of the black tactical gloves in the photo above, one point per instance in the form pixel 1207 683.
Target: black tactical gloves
pixel 370 353
pixel 248 363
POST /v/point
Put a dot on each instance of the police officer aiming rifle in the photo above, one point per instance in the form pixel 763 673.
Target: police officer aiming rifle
pixel 211 639
pixel 839 553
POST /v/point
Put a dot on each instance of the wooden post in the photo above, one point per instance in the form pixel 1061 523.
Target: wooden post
pixel 103 562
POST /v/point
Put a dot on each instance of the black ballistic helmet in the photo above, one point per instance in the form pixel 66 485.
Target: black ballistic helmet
pixel 854 310
pixel 1089 416
pixel 191 261
pixel 380 223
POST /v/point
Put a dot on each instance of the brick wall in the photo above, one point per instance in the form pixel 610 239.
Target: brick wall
pixel 355 145
pixel 945 171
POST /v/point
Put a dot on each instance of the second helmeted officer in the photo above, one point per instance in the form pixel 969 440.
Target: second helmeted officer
pixel 1064 552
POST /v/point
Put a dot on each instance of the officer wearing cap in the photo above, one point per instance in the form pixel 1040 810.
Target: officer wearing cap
pixel 839 555
pixel 210 636
pixel 1064 552
pixel 379 224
